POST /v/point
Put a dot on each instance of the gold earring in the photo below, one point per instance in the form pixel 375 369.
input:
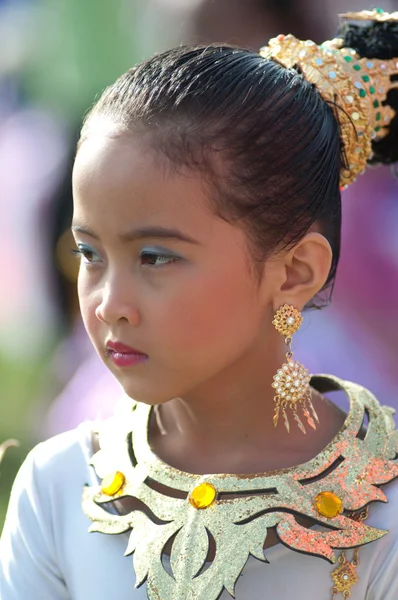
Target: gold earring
pixel 291 382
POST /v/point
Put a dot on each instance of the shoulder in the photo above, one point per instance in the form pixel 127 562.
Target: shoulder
pixel 60 450
pixel 59 459
pixel 43 504
pixel 50 482
pixel 54 470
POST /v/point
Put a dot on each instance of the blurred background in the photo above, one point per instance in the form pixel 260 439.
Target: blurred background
pixel 56 56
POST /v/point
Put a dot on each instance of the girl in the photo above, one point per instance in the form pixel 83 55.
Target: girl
pixel 207 217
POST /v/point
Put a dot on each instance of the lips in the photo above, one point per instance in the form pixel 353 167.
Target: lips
pixel 122 348
pixel 124 356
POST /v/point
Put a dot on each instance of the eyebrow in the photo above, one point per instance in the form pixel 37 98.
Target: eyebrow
pixel 143 232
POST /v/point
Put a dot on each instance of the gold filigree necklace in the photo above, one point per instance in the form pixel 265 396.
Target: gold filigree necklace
pixel 236 511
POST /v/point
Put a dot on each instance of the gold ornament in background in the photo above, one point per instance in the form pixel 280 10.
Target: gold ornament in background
pixel 238 510
pixel 5 445
pixel 291 382
pixel 355 88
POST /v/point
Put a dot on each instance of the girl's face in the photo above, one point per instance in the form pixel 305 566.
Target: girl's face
pixel 159 272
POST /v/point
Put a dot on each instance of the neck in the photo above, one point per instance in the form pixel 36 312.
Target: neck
pixel 227 424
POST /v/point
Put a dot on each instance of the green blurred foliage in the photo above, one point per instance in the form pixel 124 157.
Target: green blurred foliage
pixel 80 47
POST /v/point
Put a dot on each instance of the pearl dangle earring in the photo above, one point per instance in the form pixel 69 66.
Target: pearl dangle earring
pixel 291 382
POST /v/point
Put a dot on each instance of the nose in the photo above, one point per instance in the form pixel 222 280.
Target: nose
pixel 116 305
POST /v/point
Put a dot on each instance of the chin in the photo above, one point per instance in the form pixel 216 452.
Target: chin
pixel 150 397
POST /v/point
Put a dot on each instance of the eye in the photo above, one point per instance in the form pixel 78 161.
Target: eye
pixel 86 253
pixel 156 259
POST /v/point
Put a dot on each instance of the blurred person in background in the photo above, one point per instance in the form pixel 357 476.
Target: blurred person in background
pixel 203 398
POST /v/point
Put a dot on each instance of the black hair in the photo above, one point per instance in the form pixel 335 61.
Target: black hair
pixel 268 144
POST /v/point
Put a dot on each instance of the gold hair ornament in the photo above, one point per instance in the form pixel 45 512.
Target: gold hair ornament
pixel 358 86
pixel 377 14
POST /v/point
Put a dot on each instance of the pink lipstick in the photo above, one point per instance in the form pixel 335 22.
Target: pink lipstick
pixel 124 356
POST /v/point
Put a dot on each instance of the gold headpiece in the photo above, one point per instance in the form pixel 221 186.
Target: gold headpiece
pixel 358 86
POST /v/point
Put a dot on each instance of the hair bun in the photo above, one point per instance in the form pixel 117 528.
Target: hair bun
pixel 355 86
pixel 374 35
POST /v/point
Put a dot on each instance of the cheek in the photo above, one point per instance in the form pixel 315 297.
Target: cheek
pixel 218 312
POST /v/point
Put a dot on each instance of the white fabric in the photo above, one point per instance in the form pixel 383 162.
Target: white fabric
pixel 48 554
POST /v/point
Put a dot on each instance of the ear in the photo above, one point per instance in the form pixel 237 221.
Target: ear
pixel 303 271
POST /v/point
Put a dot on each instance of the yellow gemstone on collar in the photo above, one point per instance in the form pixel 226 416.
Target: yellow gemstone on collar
pixel 328 505
pixel 113 483
pixel 203 495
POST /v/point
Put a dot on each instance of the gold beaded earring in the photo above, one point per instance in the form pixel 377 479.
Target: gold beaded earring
pixel 291 382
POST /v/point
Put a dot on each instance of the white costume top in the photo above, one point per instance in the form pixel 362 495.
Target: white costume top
pixel 48 554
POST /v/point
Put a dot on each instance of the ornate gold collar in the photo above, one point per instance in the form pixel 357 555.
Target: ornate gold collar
pixel 237 510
